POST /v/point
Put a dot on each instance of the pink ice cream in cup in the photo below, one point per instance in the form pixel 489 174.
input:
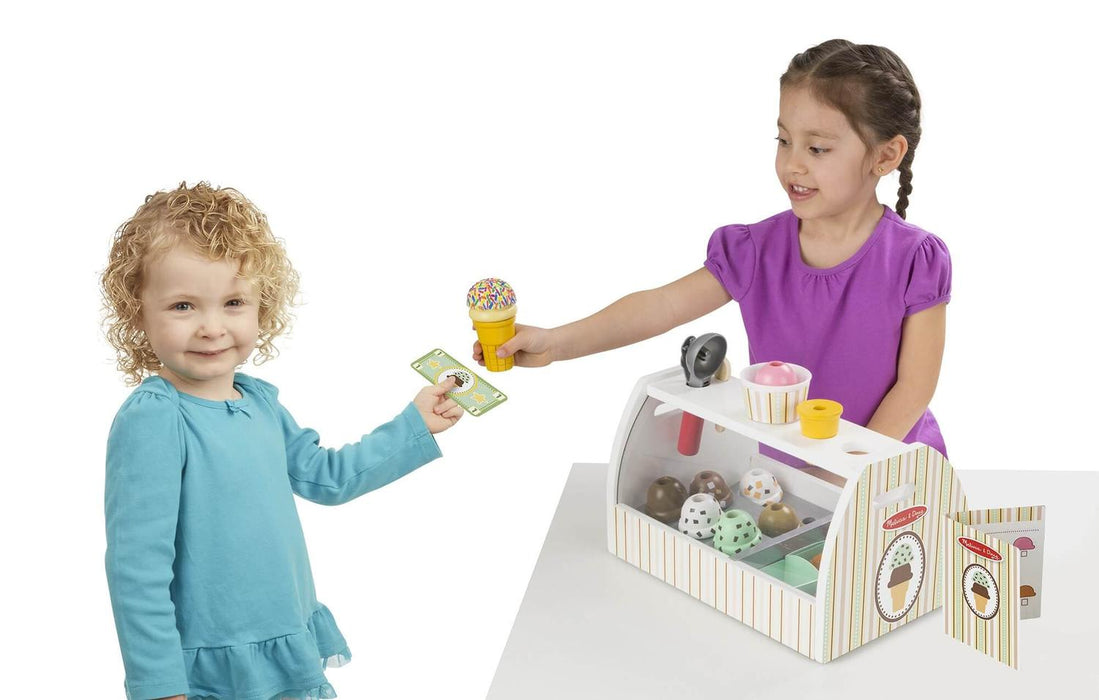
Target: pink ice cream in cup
pixel 776 373
pixel 772 391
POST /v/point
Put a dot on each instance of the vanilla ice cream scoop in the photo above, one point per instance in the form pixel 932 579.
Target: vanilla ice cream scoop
pixel 699 516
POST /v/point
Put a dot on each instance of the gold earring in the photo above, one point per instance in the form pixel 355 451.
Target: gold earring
pixel 880 170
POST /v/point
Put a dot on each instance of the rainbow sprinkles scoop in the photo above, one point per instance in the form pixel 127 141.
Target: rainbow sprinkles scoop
pixel 492 308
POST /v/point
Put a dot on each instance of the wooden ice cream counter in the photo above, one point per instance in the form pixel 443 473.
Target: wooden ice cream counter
pixel 866 503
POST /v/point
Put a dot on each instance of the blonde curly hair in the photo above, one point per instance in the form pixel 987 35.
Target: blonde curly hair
pixel 219 223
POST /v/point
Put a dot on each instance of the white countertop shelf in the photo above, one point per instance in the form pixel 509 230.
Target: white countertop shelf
pixel 723 403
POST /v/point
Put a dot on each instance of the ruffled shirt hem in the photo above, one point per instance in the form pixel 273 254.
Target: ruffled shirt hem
pixel 290 667
pixel 322 692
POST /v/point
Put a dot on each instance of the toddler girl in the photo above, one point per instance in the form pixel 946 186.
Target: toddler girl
pixel 839 283
pixel 206 561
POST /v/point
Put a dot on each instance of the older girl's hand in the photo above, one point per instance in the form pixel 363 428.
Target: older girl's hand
pixel 531 346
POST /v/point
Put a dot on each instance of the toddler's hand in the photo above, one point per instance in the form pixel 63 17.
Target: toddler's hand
pixel 438 412
pixel 531 346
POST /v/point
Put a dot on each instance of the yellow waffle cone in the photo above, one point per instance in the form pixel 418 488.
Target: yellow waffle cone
pixel 492 335
pixel 899 593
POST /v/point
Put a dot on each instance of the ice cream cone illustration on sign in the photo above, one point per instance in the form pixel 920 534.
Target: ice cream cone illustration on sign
pixel 980 591
pixel 492 308
pixel 901 574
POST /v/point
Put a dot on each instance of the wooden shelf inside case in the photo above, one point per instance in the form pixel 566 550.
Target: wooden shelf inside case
pixel 723 403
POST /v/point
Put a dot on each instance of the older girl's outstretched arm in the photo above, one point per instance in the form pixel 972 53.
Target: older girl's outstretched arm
pixel 633 318
pixel 923 337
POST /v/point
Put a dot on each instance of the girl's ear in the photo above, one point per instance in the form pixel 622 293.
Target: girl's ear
pixel 889 155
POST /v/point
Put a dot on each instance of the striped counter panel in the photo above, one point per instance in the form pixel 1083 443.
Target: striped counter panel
pixel 774 406
pixel 1000 515
pixel 999 636
pixel 849 612
pixel 706 574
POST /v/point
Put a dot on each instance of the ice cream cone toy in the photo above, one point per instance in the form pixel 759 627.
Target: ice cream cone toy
pixel 722 375
pixel 979 589
pixel 724 371
pixel 492 308
pixel 901 575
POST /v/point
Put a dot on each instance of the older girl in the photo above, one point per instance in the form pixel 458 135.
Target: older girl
pixel 838 283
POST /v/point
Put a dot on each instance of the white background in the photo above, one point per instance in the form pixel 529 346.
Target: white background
pixel 580 151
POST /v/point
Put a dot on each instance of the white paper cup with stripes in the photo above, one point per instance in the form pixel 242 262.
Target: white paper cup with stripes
pixel 774 404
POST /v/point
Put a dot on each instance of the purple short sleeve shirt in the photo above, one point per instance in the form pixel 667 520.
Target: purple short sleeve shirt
pixel 843 323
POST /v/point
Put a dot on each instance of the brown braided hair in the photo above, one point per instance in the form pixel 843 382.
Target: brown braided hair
pixel 869 85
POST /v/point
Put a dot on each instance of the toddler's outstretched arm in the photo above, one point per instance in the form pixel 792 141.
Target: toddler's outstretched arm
pixel 333 476
pixel 633 318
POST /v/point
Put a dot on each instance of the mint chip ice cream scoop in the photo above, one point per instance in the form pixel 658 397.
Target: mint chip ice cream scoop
pixel 980 584
pixel 736 532
pixel 901 564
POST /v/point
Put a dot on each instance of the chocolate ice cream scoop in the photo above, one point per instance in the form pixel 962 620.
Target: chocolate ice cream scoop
pixel 980 590
pixel 900 574
pixel 707 481
pixel 665 498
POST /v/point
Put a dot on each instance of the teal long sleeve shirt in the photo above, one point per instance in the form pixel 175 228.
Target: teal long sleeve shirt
pixel 206 561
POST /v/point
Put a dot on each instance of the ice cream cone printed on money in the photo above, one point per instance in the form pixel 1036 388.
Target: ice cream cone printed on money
pixel 492 308
pixel 901 574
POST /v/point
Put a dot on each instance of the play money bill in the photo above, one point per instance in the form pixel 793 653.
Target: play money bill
pixel 472 392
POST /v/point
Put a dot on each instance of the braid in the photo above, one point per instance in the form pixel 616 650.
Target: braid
pixel 906 182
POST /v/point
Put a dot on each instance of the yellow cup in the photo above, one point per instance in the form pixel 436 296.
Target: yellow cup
pixel 492 335
pixel 820 418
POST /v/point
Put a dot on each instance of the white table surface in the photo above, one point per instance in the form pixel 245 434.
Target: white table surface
pixel 592 626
